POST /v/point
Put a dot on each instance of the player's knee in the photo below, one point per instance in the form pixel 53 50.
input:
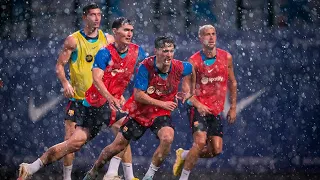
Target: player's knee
pixel 166 139
pixel 77 144
pixel 200 143
pixel 217 150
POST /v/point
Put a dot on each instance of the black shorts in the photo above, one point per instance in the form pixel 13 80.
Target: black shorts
pixel 94 118
pixel 71 110
pixel 131 129
pixel 211 124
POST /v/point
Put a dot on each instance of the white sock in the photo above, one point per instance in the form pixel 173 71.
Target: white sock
pixel 184 154
pixel 184 175
pixel 151 171
pixel 114 166
pixel 67 172
pixel 35 166
pixel 127 171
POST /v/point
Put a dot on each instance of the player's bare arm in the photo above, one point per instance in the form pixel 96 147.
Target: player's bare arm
pixel 68 47
pixel 232 84
pixel 144 98
pixel 189 85
pixel 97 75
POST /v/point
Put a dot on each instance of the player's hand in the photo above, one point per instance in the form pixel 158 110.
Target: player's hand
pixel 186 97
pixel 114 103
pixel 169 105
pixel 68 90
pixel 232 113
pixel 203 110
pixel 122 100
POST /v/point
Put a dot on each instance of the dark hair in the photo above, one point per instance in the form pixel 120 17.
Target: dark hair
pixel 120 21
pixel 161 42
pixel 89 6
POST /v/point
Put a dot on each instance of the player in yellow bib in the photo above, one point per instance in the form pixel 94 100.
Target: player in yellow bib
pixel 81 60
pixel 79 50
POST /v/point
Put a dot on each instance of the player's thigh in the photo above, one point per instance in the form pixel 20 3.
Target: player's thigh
pixel 200 138
pixel 70 118
pixel 131 129
pixel 120 141
pixel 198 122
pixel 162 127
pixel 116 126
pixel 70 127
pixel 215 143
pixel 79 137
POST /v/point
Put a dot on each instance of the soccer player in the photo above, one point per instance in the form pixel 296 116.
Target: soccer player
pixel 78 51
pixel 118 60
pixel 150 106
pixel 112 72
pixel 212 71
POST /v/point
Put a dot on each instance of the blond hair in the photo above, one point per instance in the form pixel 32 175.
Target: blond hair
pixel 207 26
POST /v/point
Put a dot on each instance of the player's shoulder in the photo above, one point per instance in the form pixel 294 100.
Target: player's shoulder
pixel 105 49
pixel 148 61
pixel 135 45
pixel 75 34
pixel 223 51
pixel 195 55
pixel 178 63
pixel 109 37
pixel 70 41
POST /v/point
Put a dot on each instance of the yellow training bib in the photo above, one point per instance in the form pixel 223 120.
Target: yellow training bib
pixel 81 63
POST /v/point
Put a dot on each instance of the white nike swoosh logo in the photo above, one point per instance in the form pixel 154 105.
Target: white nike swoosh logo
pixel 243 103
pixel 36 113
pixel 209 71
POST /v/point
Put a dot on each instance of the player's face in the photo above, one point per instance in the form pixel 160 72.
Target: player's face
pixel 165 54
pixel 208 38
pixel 124 34
pixel 93 18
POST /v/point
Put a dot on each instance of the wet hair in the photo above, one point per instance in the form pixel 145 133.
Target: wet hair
pixel 86 8
pixel 120 21
pixel 201 28
pixel 161 42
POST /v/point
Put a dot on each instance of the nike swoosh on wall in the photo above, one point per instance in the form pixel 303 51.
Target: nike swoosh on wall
pixel 36 113
pixel 243 103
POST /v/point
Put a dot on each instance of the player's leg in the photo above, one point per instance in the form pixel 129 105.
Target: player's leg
pixel 199 129
pixel 124 156
pixel 163 128
pixel 118 145
pixel 70 127
pixel 214 140
pixel 192 157
pixel 213 148
pixel 129 130
pixel 56 152
pixel 115 161
pixel 68 159
pixel 89 121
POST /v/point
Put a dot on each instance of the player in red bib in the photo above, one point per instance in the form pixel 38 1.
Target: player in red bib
pixel 150 106
pixel 213 70
pixel 112 71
